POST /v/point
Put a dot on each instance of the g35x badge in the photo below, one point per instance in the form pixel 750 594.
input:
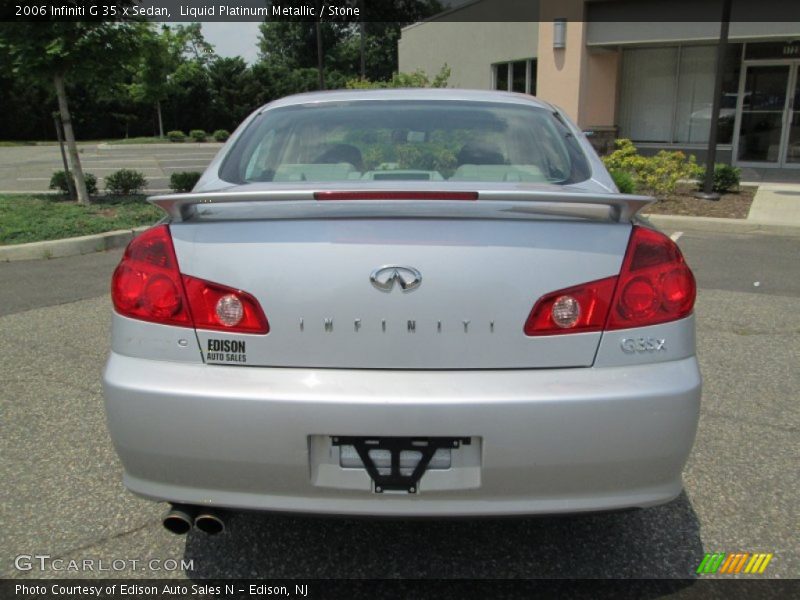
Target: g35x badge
pixel 643 344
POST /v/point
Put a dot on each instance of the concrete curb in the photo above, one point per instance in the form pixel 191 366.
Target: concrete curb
pixel 719 225
pixel 86 244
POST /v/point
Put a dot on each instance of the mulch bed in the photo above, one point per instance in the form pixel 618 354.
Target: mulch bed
pixel 733 205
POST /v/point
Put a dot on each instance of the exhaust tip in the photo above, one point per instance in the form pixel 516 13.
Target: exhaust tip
pixel 209 522
pixel 178 520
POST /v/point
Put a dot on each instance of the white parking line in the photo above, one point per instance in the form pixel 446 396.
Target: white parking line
pixel 93 168
pixel 191 157
pixel 676 236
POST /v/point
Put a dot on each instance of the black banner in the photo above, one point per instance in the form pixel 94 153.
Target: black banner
pixel 229 589
pixel 375 10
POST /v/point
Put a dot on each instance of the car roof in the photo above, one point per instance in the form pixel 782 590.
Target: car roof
pixel 408 94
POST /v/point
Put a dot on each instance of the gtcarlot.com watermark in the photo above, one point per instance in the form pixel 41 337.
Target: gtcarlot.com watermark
pixel 45 562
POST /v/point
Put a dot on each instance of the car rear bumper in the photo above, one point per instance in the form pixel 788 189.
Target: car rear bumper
pixel 551 441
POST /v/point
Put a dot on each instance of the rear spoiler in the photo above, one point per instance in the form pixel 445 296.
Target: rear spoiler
pixel 312 204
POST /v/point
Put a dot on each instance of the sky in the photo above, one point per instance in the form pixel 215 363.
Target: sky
pixel 233 39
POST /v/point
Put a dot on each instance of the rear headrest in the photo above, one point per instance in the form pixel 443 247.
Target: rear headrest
pixel 481 153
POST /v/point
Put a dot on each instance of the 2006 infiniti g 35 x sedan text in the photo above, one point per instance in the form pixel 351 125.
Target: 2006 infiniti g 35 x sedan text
pixel 403 302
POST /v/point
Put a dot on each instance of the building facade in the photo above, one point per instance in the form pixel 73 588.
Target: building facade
pixel 649 81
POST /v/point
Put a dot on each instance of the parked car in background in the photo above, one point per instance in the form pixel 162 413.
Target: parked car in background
pixel 408 303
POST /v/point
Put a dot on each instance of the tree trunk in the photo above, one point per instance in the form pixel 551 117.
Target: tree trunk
pixel 362 39
pixel 69 134
pixel 320 57
pixel 160 120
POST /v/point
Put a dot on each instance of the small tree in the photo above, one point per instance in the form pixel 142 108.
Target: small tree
pixel 162 53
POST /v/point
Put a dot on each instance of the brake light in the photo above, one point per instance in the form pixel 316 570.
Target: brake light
pixel 148 285
pixel 655 285
pixel 390 195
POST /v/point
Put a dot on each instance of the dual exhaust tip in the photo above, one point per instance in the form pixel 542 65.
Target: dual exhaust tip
pixel 180 519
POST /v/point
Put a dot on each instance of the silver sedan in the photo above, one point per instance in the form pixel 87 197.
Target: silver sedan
pixel 403 302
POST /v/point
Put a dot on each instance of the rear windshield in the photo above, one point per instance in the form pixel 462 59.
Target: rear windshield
pixel 363 141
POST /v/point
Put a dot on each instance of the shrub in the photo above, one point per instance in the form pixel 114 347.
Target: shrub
pixel 176 136
pixel 624 181
pixel 657 175
pixel 59 182
pixel 198 135
pixel 221 135
pixel 125 182
pixel 417 79
pixel 726 178
pixel 183 181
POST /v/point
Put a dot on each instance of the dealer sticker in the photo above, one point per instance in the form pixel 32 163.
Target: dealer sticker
pixel 226 351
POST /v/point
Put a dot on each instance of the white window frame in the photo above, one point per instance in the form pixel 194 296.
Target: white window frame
pixel 530 84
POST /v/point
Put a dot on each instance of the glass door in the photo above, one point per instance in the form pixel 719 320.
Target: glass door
pixel 764 105
pixel 792 153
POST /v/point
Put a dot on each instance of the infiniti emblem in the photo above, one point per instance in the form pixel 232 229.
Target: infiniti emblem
pixel 384 277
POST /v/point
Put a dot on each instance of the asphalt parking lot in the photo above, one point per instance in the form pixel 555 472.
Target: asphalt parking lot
pixel 61 494
pixel 29 168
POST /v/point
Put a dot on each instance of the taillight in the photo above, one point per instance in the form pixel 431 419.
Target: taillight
pixel 148 285
pixel 655 285
pixel 216 306
pixel 581 308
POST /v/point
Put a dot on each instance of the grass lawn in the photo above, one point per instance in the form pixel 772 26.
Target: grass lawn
pixel 34 218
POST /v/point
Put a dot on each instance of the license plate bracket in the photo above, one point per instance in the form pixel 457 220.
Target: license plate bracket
pixel 395 480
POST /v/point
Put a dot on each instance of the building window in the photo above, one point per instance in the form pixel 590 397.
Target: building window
pixel 666 93
pixel 515 76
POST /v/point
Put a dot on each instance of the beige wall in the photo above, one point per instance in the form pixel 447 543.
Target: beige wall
pixel 580 82
pixel 468 48
pixel 600 91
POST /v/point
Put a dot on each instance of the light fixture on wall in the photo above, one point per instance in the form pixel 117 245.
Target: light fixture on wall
pixel 559 33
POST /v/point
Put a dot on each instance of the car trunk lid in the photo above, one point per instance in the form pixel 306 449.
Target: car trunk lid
pixel 319 278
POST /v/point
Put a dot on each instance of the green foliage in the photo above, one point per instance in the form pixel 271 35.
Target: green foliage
pixel 417 79
pixel 125 182
pixel 293 44
pixel 78 50
pixel 624 181
pixel 176 136
pixel 726 178
pixel 198 135
pixel 162 53
pixel 59 182
pixel 36 218
pixel 120 75
pixel 221 135
pixel 183 181
pixel 231 89
pixel 656 175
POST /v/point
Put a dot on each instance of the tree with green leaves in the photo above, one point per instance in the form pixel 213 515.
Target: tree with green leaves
pixel 70 50
pixel 294 44
pixel 162 54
